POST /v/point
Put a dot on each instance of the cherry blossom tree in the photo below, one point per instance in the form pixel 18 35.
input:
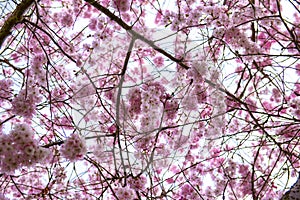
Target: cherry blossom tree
pixel 156 99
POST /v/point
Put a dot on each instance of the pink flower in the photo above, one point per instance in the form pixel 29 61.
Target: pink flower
pixel 5 89
pixel 19 148
pixel 158 61
pixel 135 101
pixel 67 20
pixel 251 104
pixel 24 103
pixel 121 5
pixel 74 148
pixel 138 183
pixel 171 107
pixel 219 32
pixel 93 24
pixel 2 197
pixel 298 69
pixel 124 193
pixel 158 18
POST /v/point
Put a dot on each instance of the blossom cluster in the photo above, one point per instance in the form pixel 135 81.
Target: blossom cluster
pixel 152 95
pixel 5 89
pixel 37 69
pixel 74 148
pixel 150 104
pixel 135 101
pixel 97 23
pixel 25 102
pixel 124 193
pixel 2 197
pixel 224 23
pixel 188 192
pixel 65 18
pixel 121 5
pixel 138 183
pixel 19 148
pixel 171 107
pixel 295 107
pixel 239 39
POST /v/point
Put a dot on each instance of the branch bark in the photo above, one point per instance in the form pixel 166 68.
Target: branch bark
pixel 13 19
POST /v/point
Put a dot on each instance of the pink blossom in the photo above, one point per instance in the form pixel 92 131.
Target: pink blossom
pixel 298 69
pixel 121 5
pixel 251 104
pixel 138 183
pixel 209 108
pixel 5 89
pixel 24 104
pixel 158 18
pixel 2 197
pixel 19 148
pixel 37 69
pixel 171 107
pixel 67 19
pixel 124 193
pixel 135 101
pixel 158 61
pixel 93 24
pixel 219 32
pixel 74 148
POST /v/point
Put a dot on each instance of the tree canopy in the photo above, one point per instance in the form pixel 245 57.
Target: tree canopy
pixel 149 99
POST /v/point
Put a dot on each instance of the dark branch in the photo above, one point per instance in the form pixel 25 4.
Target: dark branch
pixel 12 20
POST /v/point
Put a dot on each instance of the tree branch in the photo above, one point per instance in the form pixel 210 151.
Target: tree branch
pixel 135 34
pixel 13 19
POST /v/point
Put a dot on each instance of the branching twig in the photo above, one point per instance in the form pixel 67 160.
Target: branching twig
pixel 13 19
